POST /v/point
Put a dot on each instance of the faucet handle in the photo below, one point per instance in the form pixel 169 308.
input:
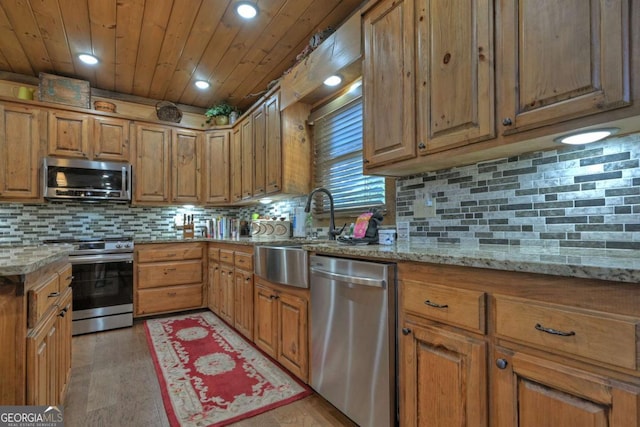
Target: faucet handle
pixel 337 232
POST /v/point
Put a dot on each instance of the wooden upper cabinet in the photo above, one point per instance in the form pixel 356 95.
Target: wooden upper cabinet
pixel 152 163
pixel 389 83
pixel 216 170
pixel 259 151
pixel 529 391
pixel 273 143
pixel 111 139
pixel 236 165
pixel 69 134
pixel 454 73
pixel 246 138
pixel 186 156
pixel 561 60
pixel 20 152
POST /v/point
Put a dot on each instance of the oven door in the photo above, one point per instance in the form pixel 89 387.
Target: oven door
pixel 102 292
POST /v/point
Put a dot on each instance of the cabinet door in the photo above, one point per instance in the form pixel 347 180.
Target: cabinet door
pixel 529 391
pixel 236 165
pixel 292 328
pixel 216 170
pixel 226 294
pixel 259 151
pixel 442 378
pixel 152 168
pixel 69 134
pixel 265 332
pixel 243 299
pixel 389 83
pixel 561 60
pixel 111 139
pixel 454 72
pixel 246 131
pixel 273 144
pixel 19 151
pixel 42 380
pixel 64 343
pixel 214 287
pixel 186 155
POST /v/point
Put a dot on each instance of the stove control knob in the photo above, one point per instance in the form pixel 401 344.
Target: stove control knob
pixel 127 245
pixel 118 245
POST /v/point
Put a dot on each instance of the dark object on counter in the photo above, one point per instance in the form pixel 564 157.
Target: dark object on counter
pixel 244 228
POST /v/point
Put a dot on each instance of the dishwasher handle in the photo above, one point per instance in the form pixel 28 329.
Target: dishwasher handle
pixel 366 281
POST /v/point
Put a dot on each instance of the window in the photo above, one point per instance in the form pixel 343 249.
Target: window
pixel 337 131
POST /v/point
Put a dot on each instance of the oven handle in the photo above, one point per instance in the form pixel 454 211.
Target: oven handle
pixel 101 259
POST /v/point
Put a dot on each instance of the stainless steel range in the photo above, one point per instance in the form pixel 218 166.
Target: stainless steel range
pixel 102 284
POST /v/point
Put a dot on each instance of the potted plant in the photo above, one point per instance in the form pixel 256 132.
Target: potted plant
pixel 219 114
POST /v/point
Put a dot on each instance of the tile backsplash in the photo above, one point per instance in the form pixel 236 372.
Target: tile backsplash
pixel 584 196
pixel 33 223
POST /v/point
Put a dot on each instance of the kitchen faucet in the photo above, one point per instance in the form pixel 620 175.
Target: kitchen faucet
pixel 332 225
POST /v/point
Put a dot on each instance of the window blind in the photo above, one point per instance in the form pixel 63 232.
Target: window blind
pixel 338 161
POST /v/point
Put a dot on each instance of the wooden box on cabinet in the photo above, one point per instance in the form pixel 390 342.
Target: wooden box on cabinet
pixel 169 277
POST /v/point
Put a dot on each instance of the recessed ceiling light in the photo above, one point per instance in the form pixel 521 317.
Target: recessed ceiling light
pixel 201 84
pixel 586 137
pixel 88 59
pixel 333 81
pixel 247 10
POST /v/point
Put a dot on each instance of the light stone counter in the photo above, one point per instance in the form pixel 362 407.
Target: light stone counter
pixel 21 260
pixel 605 264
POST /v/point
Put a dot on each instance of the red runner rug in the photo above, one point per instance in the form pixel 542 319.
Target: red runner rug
pixel 210 376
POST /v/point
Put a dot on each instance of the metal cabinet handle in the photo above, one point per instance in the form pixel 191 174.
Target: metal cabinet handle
pixel 69 278
pixel 406 331
pixel 272 297
pixel 501 363
pixel 434 305
pixel 54 294
pixel 171 294
pixel 169 269
pixel 422 146
pixel 507 121
pixel 554 331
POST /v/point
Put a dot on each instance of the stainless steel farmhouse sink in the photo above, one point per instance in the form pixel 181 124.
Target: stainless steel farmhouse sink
pixel 285 264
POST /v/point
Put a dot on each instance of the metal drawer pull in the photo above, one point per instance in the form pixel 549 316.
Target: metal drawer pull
pixel 69 278
pixel 406 331
pixel 434 305
pixel 554 331
pixel 54 294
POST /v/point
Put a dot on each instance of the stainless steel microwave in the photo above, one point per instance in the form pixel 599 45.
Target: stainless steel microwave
pixel 86 180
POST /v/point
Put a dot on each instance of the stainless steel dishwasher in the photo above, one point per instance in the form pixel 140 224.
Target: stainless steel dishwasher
pixel 353 339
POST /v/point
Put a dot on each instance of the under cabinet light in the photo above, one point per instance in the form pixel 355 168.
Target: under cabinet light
pixel 333 80
pixel 247 10
pixel 265 201
pixel 587 136
pixel 88 59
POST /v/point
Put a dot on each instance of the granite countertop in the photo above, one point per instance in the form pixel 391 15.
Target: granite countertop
pixel 605 264
pixel 248 241
pixel 20 260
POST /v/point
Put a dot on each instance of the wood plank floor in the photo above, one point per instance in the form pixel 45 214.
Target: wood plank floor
pixel 113 383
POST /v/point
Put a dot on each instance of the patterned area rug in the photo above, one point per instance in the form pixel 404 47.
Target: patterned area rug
pixel 210 376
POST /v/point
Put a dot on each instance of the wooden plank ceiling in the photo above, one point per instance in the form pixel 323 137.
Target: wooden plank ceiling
pixel 157 49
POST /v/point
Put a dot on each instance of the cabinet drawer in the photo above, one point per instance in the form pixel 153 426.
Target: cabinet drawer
pixel 65 276
pixel 592 335
pixel 177 252
pixel 244 261
pixel 167 274
pixel 41 298
pixel 214 254
pixel 458 307
pixel 226 256
pixel 171 298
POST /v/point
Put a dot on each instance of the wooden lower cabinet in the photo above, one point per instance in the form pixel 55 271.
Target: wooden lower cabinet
pixel 243 302
pixel 532 391
pixel 169 277
pixel 213 296
pixel 42 355
pixel 227 301
pixel 281 326
pixel 444 380
pixel 64 348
